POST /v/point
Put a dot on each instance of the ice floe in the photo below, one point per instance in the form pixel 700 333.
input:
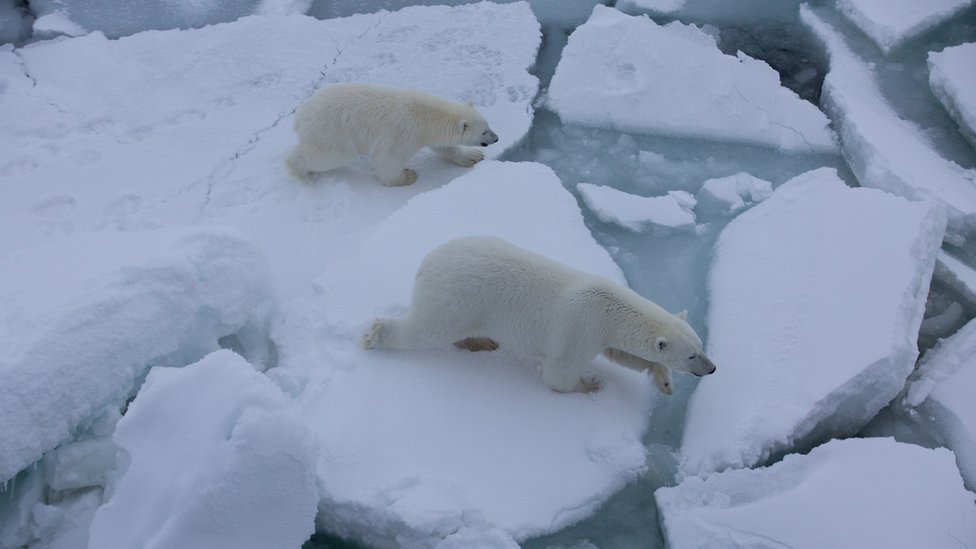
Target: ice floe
pixel 953 82
pixel 447 441
pixel 669 212
pixel 817 295
pixel 84 318
pixel 891 23
pixel 631 74
pixel 872 492
pixel 883 149
pixel 210 457
pixel 734 193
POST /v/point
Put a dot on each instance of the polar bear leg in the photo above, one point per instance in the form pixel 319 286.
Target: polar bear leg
pixel 405 334
pixel 303 162
pixel 460 155
pixel 395 175
pixel 563 374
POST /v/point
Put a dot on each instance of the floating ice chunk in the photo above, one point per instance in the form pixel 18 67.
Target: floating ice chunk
pixel 630 74
pixel 833 281
pixel 891 23
pixel 432 450
pixel 884 150
pixel 82 319
pixel 957 275
pixel 657 7
pixel 871 492
pixel 672 211
pixel 733 193
pixel 210 457
pixel 953 81
pixel 944 390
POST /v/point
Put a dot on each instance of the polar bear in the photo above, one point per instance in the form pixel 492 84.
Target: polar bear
pixel 342 122
pixel 481 293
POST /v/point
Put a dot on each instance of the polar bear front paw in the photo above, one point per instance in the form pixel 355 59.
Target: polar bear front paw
pixel 372 335
pixel 589 385
pixel 469 157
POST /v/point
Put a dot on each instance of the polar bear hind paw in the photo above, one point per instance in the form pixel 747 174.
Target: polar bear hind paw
pixel 372 335
pixel 406 177
pixel 589 385
pixel 475 344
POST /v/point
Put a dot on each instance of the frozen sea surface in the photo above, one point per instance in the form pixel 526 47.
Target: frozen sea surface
pixel 891 23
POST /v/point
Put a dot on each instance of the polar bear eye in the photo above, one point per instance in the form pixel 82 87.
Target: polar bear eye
pixel 692 357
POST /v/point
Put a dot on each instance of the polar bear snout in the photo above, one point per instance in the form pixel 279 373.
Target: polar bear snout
pixel 701 365
pixel 488 138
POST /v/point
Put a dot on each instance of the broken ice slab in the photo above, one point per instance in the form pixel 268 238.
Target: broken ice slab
pixel 731 194
pixel 83 319
pixel 952 77
pixel 630 74
pixel 871 492
pixel 944 390
pixel 667 213
pixel 883 149
pixel 833 282
pixel 212 455
pixel 891 23
pixel 430 452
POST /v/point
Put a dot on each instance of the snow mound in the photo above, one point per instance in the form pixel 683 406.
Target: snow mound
pixel 884 150
pixel 441 439
pixel 833 282
pixel 944 391
pixel 891 23
pixel 953 81
pixel 83 318
pixel 630 74
pixel 734 193
pixel 210 457
pixel 670 212
pixel 872 492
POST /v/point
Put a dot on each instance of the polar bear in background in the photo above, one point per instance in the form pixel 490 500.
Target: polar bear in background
pixel 482 292
pixel 341 122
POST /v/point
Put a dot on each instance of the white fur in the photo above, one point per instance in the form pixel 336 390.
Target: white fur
pixel 486 288
pixel 344 121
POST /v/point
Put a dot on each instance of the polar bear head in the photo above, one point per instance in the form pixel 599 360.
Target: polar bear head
pixel 678 347
pixel 474 129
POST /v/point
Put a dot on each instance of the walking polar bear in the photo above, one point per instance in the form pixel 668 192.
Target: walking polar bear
pixel 482 292
pixel 342 122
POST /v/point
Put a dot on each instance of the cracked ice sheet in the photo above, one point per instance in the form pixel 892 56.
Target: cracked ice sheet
pixel 883 150
pixel 666 213
pixel 944 391
pixel 871 492
pixel 953 81
pixel 628 73
pixel 833 281
pixel 81 319
pixel 891 23
pixel 186 127
pixel 420 445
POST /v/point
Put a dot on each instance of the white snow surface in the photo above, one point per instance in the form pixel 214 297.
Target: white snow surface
pixel 883 149
pixel 210 457
pixel 631 74
pixel 872 493
pixel 817 295
pixel 953 81
pixel 733 193
pixel 83 318
pixel 446 442
pixel 944 391
pixel 891 23
pixel 672 211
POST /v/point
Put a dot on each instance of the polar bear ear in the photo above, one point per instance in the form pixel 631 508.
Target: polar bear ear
pixel 660 344
pixel 683 315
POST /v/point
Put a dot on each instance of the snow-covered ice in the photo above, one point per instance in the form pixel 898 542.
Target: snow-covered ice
pixel 420 445
pixel 943 391
pixel 957 275
pixel 871 492
pixel 891 23
pixel 883 149
pixel 657 7
pixel 210 457
pixel 83 318
pixel 732 194
pixel 669 212
pixel 631 74
pixel 817 295
pixel 953 81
